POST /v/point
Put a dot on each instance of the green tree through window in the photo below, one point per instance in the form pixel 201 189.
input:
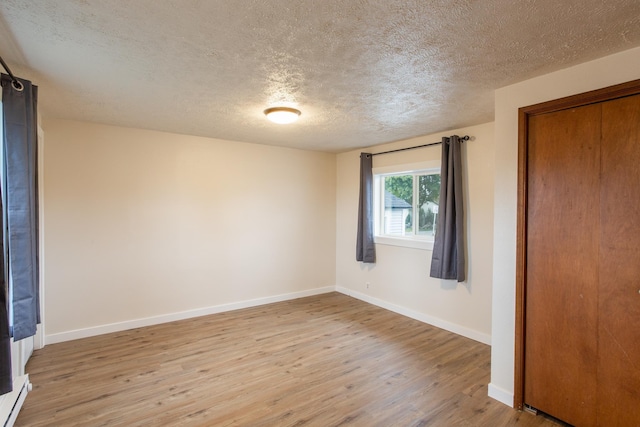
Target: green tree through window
pixel 400 186
pixel 429 196
pixel 427 187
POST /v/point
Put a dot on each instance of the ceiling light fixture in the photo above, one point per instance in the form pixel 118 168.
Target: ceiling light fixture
pixel 282 115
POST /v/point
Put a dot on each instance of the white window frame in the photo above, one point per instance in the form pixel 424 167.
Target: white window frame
pixel 414 241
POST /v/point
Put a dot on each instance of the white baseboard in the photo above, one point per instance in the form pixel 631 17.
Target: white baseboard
pixel 437 322
pixel 171 317
pixel 501 395
pixel 155 320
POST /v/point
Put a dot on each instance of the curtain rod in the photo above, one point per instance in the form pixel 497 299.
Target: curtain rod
pixel 462 138
pixel 14 80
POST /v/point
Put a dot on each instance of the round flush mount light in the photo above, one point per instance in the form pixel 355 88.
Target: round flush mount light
pixel 282 115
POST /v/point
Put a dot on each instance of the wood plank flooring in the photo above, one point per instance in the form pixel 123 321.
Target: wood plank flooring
pixel 327 360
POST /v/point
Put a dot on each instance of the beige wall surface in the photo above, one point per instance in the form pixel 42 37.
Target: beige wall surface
pixel 141 224
pixel 399 279
pixel 607 71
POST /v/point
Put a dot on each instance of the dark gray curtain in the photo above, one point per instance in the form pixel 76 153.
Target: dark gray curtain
pixel 6 383
pixel 448 260
pixel 20 203
pixel 365 248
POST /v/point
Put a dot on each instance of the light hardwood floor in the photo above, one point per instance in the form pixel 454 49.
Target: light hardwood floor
pixel 327 360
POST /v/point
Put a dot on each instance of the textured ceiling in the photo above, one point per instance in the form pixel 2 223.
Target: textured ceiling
pixel 362 72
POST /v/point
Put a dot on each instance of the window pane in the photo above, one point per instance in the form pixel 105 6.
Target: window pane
pixel 398 205
pixel 429 195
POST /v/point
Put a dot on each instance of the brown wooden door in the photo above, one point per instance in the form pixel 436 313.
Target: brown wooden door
pixel 582 303
pixel 562 277
pixel 619 296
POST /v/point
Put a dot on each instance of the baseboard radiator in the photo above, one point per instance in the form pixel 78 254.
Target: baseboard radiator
pixel 11 403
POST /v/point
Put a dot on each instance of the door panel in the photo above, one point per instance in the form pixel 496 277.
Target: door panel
pixel 562 278
pixel 619 305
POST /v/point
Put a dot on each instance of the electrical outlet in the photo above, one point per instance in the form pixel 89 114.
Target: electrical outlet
pixel 368 284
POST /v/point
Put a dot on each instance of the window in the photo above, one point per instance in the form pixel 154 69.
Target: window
pixel 406 207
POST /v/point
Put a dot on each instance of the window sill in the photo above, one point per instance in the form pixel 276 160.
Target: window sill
pixel 425 245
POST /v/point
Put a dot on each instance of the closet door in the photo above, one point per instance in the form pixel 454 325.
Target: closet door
pixel 619 290
pixel 563 240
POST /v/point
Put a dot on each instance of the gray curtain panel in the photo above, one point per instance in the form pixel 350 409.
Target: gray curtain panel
pixel 21 203
pixel 448 260
pixel 365 248
pixel 6 383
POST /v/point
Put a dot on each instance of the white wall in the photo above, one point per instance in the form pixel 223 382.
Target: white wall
pixel 611 70
pixel 400 278
pixel 143 226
